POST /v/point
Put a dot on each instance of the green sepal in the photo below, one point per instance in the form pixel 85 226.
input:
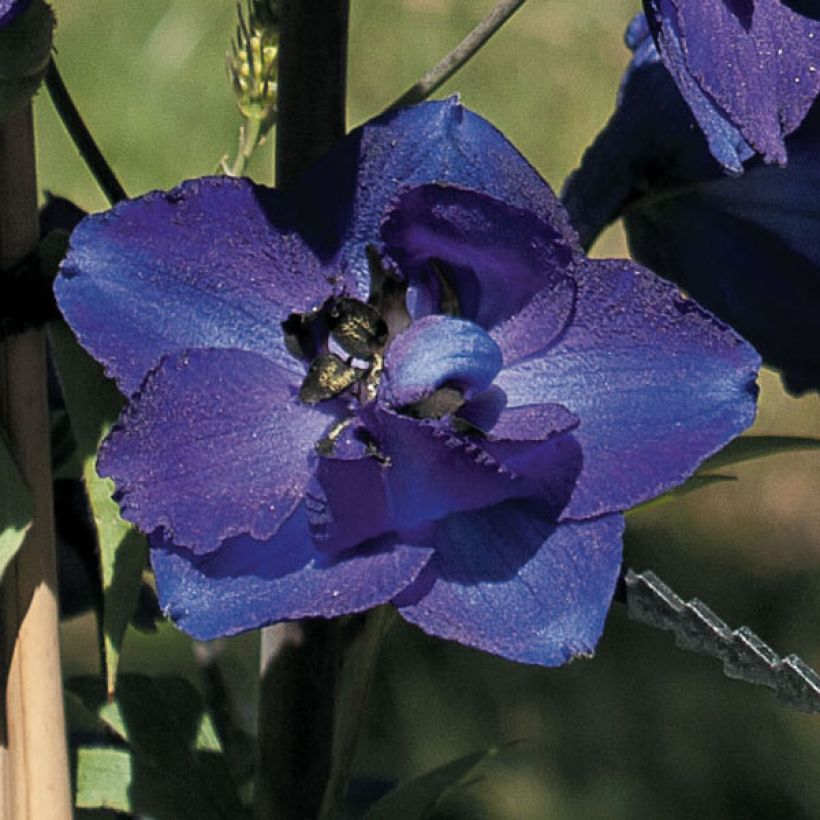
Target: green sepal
pixel 93 403
pixel 169 752
pixel 418 798
pixel 16 506
pixel 25 52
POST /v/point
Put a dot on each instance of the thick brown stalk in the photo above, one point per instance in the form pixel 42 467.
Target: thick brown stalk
pixel 34 780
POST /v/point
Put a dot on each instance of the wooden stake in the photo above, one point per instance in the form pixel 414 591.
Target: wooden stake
pixel 34 774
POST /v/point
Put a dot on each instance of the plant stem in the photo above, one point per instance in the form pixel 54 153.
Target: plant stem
pixel 247 145
pixel 360 651
pixel 79 133
pixel 460 55
pixel 34 778
pixel 312 78
pixel 299 661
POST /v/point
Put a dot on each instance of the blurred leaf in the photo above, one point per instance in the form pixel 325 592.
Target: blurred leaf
pixel 693 483
pixel 748 448
pixel 417 798
pixel 745 448
pixel 16 506
pixel 93 403
pixel 177 769
pixel 104 778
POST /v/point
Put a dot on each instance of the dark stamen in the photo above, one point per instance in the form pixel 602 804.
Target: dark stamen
pixel 327 377
pixel 357 327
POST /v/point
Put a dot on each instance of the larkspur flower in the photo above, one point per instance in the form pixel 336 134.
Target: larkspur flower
pixel 401 381
pixel 748 69
pixel 746 247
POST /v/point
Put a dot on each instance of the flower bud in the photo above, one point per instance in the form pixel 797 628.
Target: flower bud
pixel 252 62
pixel 26 29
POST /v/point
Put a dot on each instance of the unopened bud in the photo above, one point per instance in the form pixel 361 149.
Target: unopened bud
pixel 252 62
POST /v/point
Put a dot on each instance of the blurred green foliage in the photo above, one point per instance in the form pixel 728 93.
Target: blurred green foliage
pixel 642 731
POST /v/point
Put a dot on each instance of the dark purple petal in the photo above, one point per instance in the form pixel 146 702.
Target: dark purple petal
pixel 493 256
pixel 215 444
pixel 747 247
pixel 216 262
pixel 656 381
pixel 344 197
pixel 752 63
pixel 510 581
pixel 249 583
pixel 9 9
pixel 418 471
pixel 438 350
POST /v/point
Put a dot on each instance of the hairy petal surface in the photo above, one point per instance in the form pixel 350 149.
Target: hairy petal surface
pixel 493 256
pixel 510 581
pixel 217 262
pixel 215 444
pixel 657 383
pixel 249 583
pixel 343 198
pixel 754 63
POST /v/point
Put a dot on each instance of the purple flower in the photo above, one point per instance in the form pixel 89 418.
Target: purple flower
pixel 402 381
pixel 748 69
pixel 9 9
pixel 746 247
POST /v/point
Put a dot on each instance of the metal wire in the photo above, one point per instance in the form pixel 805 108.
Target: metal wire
pixel 745 656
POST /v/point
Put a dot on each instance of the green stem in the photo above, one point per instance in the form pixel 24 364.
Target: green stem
pixel 79 133
pixel 460 55
pixel 360 652
pixel 247 145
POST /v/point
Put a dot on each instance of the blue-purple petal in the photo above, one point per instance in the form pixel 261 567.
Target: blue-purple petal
pixel 344 197
pixel 215 444
pixel 439 350
pixel 493 256
pixel 510 581
pixel 217 262
pixel 767 86
pixel 657 382
pixel 421 470
pixel 249 583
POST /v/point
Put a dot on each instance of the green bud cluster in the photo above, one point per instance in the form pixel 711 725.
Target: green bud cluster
pixel 252 61
pixel 25 52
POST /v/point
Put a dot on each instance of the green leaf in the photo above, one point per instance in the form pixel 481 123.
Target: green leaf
pixel 177 769
pixel 748 448
pixel 417 798
pixel 16 506
pixel 104 778
pixel 745 448
pixel 93 404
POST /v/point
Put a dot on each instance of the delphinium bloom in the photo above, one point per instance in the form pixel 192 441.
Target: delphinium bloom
pixel 749 70
pixel 401 381
pixel 747 247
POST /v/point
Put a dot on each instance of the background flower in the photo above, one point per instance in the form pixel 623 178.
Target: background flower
pixel 746 247
pixel 572 389
pixel 749 71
